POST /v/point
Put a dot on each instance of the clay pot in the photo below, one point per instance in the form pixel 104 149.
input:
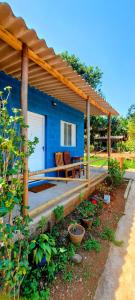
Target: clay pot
pixel 76 233
pixel 87 222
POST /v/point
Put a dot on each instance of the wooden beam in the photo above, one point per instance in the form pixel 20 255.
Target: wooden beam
pixel 109 138
pixel 16 44
pixel 9 38
pixel 88 138
pixel 24 107
pixel 58 179
pixel 67 178
pixel 56 169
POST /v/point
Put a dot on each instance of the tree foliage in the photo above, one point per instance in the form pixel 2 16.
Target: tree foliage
pixel 119 126
pixel 130 144
pixel 131 111
pixel 92 75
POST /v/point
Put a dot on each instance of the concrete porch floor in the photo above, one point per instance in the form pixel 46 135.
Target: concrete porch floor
pixel 37 199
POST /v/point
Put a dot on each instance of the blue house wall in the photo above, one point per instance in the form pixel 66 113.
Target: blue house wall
pixel 41 103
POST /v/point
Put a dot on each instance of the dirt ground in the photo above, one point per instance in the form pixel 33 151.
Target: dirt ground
pixel 86 275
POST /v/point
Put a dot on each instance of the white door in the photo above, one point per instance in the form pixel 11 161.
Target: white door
pixel 36 128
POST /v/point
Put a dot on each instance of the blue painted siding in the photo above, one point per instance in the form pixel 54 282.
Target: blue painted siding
pixel 41 103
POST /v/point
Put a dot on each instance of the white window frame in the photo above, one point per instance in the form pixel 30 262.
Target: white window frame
pixel 73 134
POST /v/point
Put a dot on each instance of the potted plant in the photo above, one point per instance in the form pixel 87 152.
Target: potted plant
pixel 76 233
pixel 88 221
pixel 87 211
pixel 43 248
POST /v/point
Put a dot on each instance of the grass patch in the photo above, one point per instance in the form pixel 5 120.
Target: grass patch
pixel 128 163
pixel 98 162
pixel 109 234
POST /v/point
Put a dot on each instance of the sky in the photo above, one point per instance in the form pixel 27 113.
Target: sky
pixel 99 32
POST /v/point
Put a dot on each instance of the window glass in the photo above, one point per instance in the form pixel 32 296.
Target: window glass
pixel 68 134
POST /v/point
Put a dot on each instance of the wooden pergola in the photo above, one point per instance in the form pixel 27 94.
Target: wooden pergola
pixel 27 58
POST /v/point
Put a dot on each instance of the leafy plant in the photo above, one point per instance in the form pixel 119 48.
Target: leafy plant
pixel 44 245
pixel 71 250
pixel 44 294
pixel 115 172
pixel 92 244
pixel 87 209
pixel 56 231
pixel 109 234
pixel 42 224
pixel 59 212
pixel 104 188
pixel 33 287
pixel 99 206
pixel 14 253
pixel 68 276
pixel 51 271
pixel 96 222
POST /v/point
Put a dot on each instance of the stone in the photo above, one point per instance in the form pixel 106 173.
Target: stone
pixel 77 258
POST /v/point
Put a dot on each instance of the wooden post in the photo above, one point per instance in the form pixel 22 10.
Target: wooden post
pixel 24 107
pixel 88 138
pixel 109 138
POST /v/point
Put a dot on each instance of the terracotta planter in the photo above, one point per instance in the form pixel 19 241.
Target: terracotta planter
pixel 87 222
pixel 76 233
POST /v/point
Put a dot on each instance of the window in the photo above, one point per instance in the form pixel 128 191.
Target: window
pixel 68 134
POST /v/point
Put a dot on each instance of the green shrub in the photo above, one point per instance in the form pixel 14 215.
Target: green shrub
pixel 115 172
pixel 121 146
pixel 42 224
pixel 59 212
pixel 109 234
pixel 86 209
pixel 31 288
pixel 130 145
pixel 92 244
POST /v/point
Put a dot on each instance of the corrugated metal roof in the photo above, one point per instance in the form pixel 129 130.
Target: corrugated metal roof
pixel 41 79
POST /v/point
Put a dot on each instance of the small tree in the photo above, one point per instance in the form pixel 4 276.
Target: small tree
pixel 14 231
pixel 130 144
pixel 116 174
pixel 131 111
